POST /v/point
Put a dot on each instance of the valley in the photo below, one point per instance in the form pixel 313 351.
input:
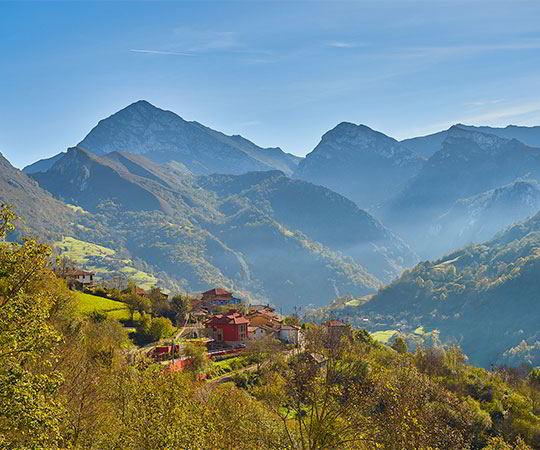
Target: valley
pixel 151 198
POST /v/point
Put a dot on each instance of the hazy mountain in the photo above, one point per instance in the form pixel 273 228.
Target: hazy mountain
pixel 322 215
pixel 360 163
pixel 479 218
pixel 468 164
pixel 40 214
pixel 43 164
pixel 163 136
pixel 259 233
pixel 430 144
pixel 484 297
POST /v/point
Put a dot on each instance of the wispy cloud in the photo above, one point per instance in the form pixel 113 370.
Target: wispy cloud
pixel 160 52
pixel 443 51
pixel 199 41
pixel 481 103
pixel 505 113
pixel 341 44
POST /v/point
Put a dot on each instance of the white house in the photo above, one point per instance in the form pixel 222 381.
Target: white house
pixel 81 277
pixel 290 334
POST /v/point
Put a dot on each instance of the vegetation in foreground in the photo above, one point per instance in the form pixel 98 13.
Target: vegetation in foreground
pixel 65 383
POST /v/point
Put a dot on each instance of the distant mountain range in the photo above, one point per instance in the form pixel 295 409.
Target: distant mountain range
pixel 152 196
pixel 479 218
pixel 261 233
pixel 362 164
pixel 428 145
pixel 469 163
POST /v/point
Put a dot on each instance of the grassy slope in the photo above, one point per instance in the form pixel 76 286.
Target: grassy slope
pixel 87 303
pixel 102 260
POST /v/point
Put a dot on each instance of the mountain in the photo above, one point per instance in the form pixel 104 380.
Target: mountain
pixel 319 213
pixel 479 218
pixel 87 180
pixel 261 233
pixel 484 297
pixel 43 164
pixel 359 163
pixel 469 163
pixel 163 136
pixel 426 146
pixel 40 214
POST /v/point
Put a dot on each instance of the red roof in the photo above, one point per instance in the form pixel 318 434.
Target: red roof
pixel 231 318
pixel 217 291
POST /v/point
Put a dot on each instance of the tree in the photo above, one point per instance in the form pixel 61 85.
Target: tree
pixel 400 345
pixel 291 320
pixel 136 302
pixel 181 304
pixel 159 304
pixel 262 350
pixel 32 300
pixel 198 356
pixel 160 328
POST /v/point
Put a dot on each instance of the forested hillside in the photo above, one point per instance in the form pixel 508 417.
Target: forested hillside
pixel 256 233
pixel 75 381
pixel 484 297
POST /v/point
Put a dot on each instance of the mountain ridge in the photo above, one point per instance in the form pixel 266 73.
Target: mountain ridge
pixel 163 136
pixel 355 161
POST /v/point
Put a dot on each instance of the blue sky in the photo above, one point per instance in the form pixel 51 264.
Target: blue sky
pixel 279 73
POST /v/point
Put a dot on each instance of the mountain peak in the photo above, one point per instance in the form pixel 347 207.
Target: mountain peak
pixel 352 129
pixel 357 162
pixel 163 136
pixel 483 140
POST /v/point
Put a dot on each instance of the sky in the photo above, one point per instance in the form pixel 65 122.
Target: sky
pixel 279 73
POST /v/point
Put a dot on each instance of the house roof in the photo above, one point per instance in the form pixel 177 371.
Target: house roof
pixel 261 308
pixel 76 273
pixel 265 313
pixel 217 291
pixel 231 318
pixel 290 327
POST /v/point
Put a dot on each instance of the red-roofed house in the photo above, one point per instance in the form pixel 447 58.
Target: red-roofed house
pixel 230 328
pixel 218 297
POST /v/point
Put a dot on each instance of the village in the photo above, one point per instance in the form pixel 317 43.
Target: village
pixel 224 329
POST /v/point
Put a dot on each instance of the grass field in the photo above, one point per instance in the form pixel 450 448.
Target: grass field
pixel 383 336
pixel 87 303
pixel 229 365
